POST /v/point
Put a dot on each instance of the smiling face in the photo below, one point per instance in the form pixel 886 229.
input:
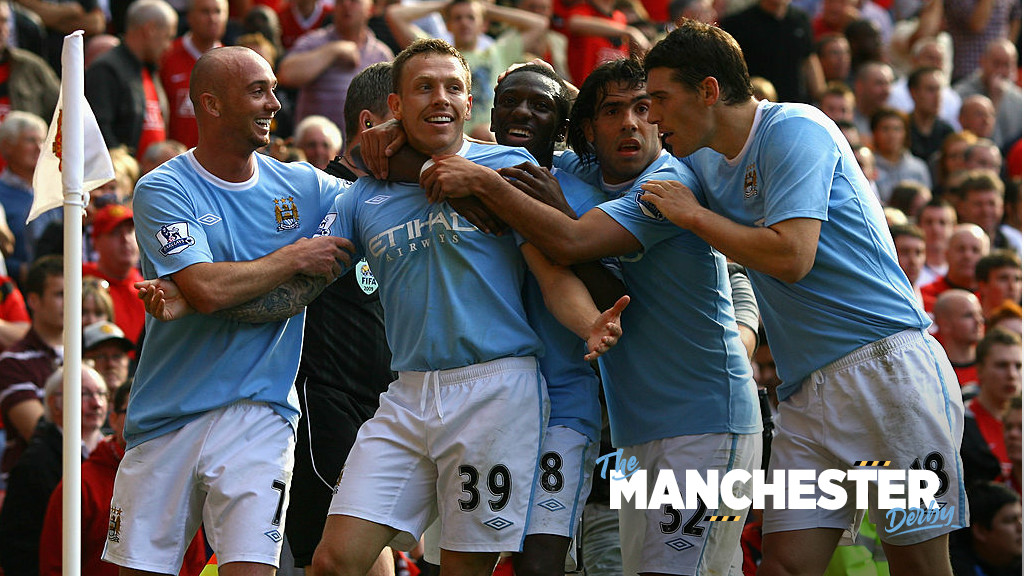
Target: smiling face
pixel 525 114
pixel 433 103
pixel 624 142
pixel 250 104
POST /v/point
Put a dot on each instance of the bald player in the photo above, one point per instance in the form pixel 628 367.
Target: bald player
pixel 213 404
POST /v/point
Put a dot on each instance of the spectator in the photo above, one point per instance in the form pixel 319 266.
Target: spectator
pixel 960 325
pixel 937 219
pixel 834 16
pixel 113 233
pixel 25 366
pixel 927 129
pixel 983 155
pixel 978 115
pixel 598 32
pixel 777 43
pixel 98 473
pixel 973 25
pixel 998 276
pixel 996 78
pixel 207 21
pixel 928 52
pixel 319 139
pixel 979 200
pixel 38 471
pixel 999 379
pixel 96 303
pixel 895 163
pixel 910 197
pixel 834 54
pixel 98 45
pixel 104 345
pixel 122 85
pixel 21 138
pixel 322 63
pixel 763 89
pixel 553 47
pixel 866 161
pixel 966 246
pixel 871 85
pixel 30 85
pixel 951 159
pixel 301 16
pixel 991 546
pixel 866 45
pixel 62 18
pixel 159 153
pixel 14 319
pixel 838 102
pixel 909 241
pixel 1007 315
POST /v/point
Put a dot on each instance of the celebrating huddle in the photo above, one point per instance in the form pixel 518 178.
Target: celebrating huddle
pixel 493 425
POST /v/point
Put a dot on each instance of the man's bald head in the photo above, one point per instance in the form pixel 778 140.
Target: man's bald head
pixel 216 69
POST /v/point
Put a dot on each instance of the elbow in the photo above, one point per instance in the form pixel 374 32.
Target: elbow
pixel 796 269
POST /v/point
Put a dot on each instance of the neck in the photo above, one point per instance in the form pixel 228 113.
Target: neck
pixel 90 438
pixel 203 45
pixel 22 172
pixel 935 255
pixel 53 336
pixel 357 35
pixel 891 155
pixel 733 124
pixel 924 120
pixel 229 165
pixel 117 273
pixel 960 353
pixel 995 406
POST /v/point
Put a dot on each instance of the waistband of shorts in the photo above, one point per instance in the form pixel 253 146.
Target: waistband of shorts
pixel 474 371
pixel 876 349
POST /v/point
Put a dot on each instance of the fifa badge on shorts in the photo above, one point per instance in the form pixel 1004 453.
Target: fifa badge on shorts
pixel 750 181
pixel 286 213
pixel 114 527
pixel 365 278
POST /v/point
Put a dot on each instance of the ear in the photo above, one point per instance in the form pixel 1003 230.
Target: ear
pixel 588 131
pixel 709 91
pixel 32 300
pixel 210 104
pixel 395 104
pixel 469 106
pixel 366 120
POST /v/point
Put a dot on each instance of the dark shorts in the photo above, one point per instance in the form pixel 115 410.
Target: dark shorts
pixel 333 418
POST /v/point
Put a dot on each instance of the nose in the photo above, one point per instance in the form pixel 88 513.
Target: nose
pixel 273 104
pixel 522 110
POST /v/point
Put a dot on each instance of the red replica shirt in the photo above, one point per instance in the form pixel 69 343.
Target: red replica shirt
pixel 129 311
pixel 294 25
pixel 153 128
pixel 992 431
pixel 586 52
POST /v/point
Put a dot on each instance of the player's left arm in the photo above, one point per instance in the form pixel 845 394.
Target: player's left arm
pixel 567 298
pixel 784 250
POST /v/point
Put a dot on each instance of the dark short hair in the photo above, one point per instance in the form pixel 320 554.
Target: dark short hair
pixel 884 113
pixel 695 51
pixel 997 336
pixel 898 230
pixel 43 268
pixel 986 500
pixel 914 80
pixel 425 47
pixel 121 396
pixel 624 71
pixel 978 181
pixel 563 100
pixel 993 261
pixel 904 193
pixel 368 91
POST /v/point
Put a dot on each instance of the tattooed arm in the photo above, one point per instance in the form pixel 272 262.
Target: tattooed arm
pixel 165 302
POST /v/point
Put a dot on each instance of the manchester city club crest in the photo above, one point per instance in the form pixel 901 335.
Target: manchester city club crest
pixel 286 213
pixel 750 181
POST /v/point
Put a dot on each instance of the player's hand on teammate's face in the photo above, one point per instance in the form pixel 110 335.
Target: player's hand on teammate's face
pixel 606 330
pixel 473 210
pixel 672 199
pixel 380 143
pixel 538 182
pixel 455 177
pixel 323 256
pixel 163 300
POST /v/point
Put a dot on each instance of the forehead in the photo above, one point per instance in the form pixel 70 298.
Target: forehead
pixel 434 67
pixel 615 93
pixel 659 80
pixel 529 82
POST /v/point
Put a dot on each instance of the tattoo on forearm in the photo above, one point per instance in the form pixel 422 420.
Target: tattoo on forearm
pixel 279 304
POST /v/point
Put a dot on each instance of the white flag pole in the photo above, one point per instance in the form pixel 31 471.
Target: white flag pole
pixel 72 156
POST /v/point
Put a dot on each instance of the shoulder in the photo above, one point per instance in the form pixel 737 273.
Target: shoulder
pixel 497 155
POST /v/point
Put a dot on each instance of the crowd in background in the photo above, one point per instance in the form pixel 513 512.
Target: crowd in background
pixel 927 93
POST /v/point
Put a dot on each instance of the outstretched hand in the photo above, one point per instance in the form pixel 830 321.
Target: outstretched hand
pixel 163 300
pixel 606 330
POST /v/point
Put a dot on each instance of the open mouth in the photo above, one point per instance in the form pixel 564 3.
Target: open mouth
pixel 440 119
pixel 264 123
pixel 629 146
